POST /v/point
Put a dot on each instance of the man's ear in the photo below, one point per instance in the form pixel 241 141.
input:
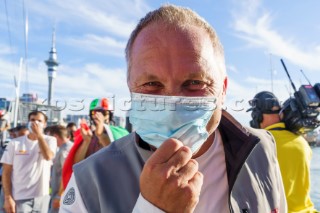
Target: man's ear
pixel 56 136
pixel 224 89
pixel 225 85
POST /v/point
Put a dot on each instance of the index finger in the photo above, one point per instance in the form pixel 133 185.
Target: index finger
pixel 34 126
pixel 165 151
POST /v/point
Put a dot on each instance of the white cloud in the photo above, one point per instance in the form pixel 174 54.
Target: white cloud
pixel 102 45
pixel 91 80
pixel 72 84
pixel 97 26
pixel 7 70
pixel 257 31
pixel 232 68
pixel 116 17
pixel 239 94
pixel 264 82
pixel 6 49
pixel 250 6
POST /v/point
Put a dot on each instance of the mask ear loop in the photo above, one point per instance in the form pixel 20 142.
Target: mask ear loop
pixel 222 106
pixel 216 107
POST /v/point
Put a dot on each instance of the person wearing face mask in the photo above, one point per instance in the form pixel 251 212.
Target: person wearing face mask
pixel 26 163
pixel 186 153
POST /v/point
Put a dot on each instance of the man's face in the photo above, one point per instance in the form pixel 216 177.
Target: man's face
pixel 73 128
pixel 39 118
pixel 177 63
pixel 104 114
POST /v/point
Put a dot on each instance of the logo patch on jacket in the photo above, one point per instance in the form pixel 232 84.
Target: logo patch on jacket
pixel 70 197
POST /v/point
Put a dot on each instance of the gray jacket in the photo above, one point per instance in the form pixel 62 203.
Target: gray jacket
pixel 108 181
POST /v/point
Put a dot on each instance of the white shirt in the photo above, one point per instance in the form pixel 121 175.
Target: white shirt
pixel 108 130
pixel 71 200
pixel 30 171
pixel 214 192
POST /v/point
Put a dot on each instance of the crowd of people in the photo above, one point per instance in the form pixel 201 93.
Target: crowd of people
pixel 186 153
pixel 34 167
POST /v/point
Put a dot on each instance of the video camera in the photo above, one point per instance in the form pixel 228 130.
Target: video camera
pixel 300 112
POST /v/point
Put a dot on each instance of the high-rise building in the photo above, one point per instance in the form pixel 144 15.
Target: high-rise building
pixel 52 64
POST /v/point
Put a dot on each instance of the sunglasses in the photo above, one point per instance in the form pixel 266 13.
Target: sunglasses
pixel 93 112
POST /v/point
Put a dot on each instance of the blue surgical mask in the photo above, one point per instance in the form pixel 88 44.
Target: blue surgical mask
pixel 157 118
pixel 29 126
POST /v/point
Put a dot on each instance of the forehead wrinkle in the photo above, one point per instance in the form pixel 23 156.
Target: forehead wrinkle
pixel 195 57
pixel 149 76
pixel 145 59
pixel 197 75
pixel 201 65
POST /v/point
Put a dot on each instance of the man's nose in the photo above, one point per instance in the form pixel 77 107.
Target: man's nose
pixel 172 90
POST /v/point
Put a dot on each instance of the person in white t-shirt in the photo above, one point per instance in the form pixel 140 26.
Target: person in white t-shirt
pixel 26 163
pixel 4 126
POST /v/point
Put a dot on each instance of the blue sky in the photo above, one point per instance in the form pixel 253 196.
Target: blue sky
pixel 91 37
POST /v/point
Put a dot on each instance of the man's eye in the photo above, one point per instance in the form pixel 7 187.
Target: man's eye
pixel 152 84
pixel 151 87
pixel 194 84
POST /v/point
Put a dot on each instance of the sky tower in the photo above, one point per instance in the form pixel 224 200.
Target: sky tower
pixel 52 64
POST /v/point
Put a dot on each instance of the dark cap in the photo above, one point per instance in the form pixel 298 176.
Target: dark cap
pixel 265 102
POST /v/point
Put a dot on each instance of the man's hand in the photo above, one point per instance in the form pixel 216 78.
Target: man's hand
pixel 170 179
pixel 86 134
pixel 9 205
pixel 56 203
pixel 99 119
pixel 37 129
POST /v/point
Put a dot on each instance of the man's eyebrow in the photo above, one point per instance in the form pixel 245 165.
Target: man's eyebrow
pixel 191 75
pixel 199 74
pixel 148 76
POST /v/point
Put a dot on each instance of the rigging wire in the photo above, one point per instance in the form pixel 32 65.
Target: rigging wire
pixel 9 36
pixel 8 25
pixel 26 29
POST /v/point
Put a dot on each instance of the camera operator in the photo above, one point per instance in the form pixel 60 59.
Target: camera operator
pixel 294 152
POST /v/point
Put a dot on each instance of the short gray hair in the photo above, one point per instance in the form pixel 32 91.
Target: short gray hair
pixel 175 16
